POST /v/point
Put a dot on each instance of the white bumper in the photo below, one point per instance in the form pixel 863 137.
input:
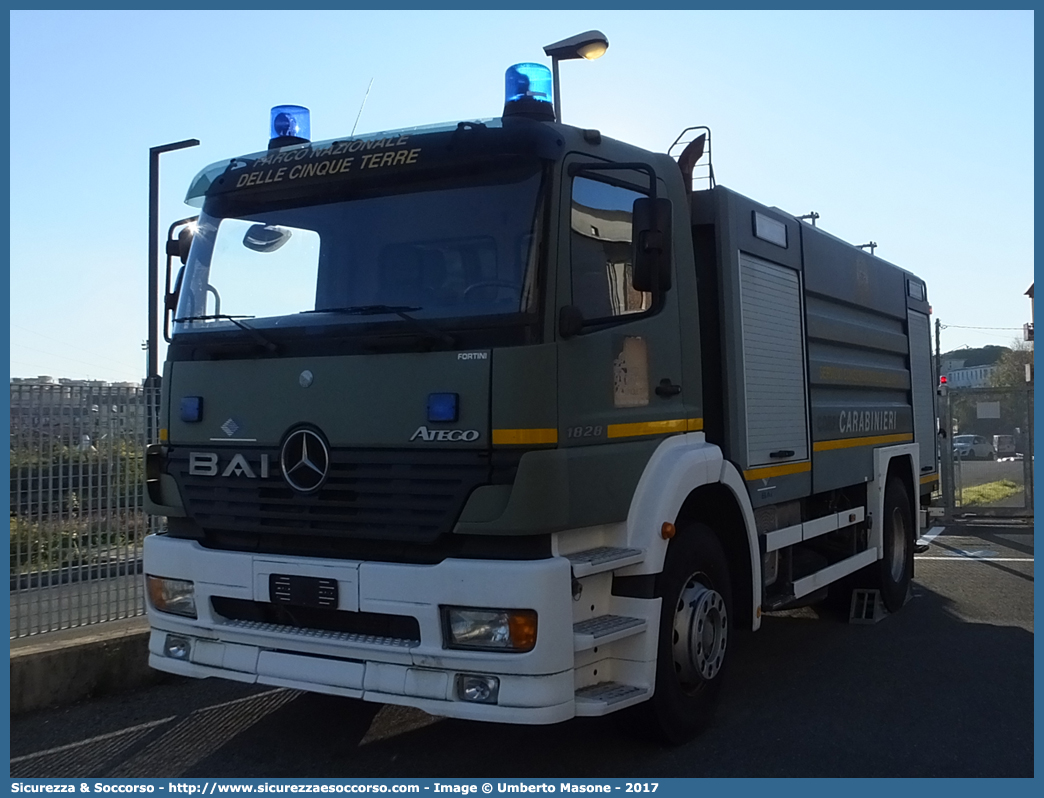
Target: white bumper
pixel 535 687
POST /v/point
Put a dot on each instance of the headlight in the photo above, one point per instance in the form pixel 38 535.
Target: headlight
pixel 489 630
pixel 175 596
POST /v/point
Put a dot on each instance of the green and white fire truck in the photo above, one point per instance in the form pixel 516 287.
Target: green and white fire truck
pixel 507 420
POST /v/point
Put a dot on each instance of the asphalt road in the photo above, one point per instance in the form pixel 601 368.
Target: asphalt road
pixel 943 688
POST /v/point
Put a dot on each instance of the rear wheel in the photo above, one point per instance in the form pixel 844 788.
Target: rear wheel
pixel 895 568
pixel 693 646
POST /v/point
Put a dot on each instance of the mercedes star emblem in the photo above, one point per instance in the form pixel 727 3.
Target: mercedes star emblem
pixel 305 460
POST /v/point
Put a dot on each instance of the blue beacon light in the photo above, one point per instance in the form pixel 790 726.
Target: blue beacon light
pixel 290 124
pixel 527 91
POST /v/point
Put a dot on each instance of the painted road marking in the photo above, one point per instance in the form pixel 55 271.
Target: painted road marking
pixel 973 558
pixel 931 534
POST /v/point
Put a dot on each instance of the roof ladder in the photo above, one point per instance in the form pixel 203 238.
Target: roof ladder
pixel 691 145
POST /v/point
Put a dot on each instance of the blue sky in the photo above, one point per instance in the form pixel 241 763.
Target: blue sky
pixel 911 129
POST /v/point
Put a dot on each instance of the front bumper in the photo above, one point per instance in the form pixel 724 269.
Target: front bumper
pixel 535 687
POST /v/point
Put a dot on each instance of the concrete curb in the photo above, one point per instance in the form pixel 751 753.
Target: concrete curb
pixel 63 667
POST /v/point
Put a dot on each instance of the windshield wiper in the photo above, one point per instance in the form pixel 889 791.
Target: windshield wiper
pixel 399 310
pixel 261 339
pixel 368 310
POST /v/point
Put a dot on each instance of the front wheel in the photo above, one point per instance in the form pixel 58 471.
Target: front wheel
pixel 895 568
pixel 693 647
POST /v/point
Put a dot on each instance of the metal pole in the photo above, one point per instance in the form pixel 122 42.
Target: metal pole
pixel 1027 456
pixel 153 351
pixel 152 381
pixel 943 433
pixel 554 89
pixel 948 469
pixel 938 357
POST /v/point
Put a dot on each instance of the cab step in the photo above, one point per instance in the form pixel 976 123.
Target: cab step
pixel 605 629
pixel 603 558
pixel 606 697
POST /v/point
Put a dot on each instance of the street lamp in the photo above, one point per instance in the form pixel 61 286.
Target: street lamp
pixel 589 45
pixel 154 154
pixel 152 381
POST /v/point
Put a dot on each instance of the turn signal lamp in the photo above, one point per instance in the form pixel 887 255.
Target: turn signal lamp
pixel 489 630
pixel 527 91
pixel 176 596
pixel 290 124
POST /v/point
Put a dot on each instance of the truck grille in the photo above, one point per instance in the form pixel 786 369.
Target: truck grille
pixel 392 494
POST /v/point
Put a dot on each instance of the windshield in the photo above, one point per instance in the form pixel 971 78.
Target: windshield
pixel 964 439
pixel 438 252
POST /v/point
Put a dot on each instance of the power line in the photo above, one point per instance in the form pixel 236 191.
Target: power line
pixel 66 344
pixel 81 361
pixel 963 327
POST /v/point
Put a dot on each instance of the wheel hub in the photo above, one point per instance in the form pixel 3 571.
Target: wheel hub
pixel 700 633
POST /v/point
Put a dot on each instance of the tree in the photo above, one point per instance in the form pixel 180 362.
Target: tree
pixel 983 356
pixel 1011 367
pixel 1017 403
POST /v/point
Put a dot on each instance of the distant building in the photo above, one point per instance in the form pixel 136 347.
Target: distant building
pixel 970 377
pixel 73 412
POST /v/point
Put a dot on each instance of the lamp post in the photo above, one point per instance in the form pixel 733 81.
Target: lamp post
pixel 154 154
pixel 152 380
pixel 589 45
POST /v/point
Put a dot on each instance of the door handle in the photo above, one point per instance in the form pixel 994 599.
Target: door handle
pixel 666 389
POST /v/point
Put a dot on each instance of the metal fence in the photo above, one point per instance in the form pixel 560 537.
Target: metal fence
pixel 77 523
pixel 987 455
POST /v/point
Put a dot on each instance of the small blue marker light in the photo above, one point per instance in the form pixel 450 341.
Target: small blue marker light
pixel 191 408
pixel 443 406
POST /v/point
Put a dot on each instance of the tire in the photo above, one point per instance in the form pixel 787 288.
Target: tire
pixel 895 568
pixel 693 643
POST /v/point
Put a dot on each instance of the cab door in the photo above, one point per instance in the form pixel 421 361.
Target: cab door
pixel 619 378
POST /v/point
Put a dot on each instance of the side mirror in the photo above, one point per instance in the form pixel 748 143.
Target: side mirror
pixel 170 302
pixel 181 247
pixel 265 237
pixel 570 321
pixel 651 219
pixel 185 243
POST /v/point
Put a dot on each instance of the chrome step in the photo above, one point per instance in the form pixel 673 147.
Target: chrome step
pixel 604 629
pixel 603 558
pixel 605 697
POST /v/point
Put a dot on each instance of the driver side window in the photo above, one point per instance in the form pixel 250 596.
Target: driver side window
pixel 601 250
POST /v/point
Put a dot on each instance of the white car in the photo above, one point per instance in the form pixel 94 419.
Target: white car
pixel 973 447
